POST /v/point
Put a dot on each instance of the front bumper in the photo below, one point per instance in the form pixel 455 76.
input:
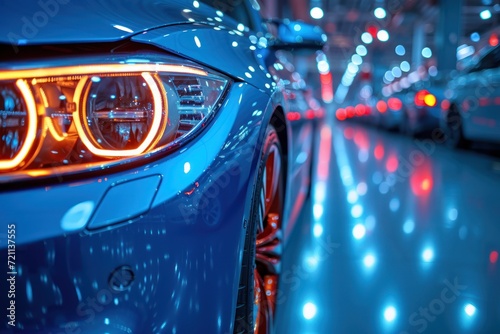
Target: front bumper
pixel 169 264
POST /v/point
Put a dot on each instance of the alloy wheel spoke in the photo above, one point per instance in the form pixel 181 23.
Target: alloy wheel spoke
pixel 269 248
pixel 273 175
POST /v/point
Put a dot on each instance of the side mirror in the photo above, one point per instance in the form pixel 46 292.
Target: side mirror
pixel 298 35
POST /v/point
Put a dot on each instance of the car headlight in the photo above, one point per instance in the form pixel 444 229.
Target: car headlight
pixel 100 111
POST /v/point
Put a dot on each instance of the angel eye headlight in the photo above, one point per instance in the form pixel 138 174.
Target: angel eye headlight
pixel 120 115
pixel 18 124
pixel 101 112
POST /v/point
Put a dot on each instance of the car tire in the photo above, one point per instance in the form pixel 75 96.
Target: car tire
pixel 263 247
pixel 454 129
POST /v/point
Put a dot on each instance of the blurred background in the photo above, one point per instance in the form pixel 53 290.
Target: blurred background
pixel 404 202
pixel 380 47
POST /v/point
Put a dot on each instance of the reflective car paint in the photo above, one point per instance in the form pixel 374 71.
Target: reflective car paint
pixel 181 255
pixel 241 58
pixel 63 275
pixel 104 21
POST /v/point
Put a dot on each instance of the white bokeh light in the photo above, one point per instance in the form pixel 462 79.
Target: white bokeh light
pixel 390 314
pixel 366 38
pixel 317 13
pixel 380 13
pixel 426 52
pixel 318 230
pixel 405 66
pixel 470 310
pixel 357 211
pixel 359 231
pixel 309 310
pixel 428 255
pixel 383 35
pixel 369 260
pixel 361 50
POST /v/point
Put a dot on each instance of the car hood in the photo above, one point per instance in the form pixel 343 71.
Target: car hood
pixel 71 21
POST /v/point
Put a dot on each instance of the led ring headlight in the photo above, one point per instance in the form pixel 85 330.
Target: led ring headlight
pixel 123 122
pixel 26 143
pixel 106 108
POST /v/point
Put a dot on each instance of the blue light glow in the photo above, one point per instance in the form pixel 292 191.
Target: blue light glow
pixel 470 310
pixel 485 14
pixel 309 310
pixel 318 230
pixel 359 231
pixel 390 314
pixel 400 50
pixel 408 226
pixel 475 37
pixel 352 197
pixel 369 260
pixel 318 211
pixel 405 66
pixel 428 255
pixel 357 211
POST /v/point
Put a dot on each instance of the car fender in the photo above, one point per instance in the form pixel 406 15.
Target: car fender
pixel 240 59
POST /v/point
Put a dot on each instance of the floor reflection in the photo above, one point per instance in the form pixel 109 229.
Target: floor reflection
pixel 400 236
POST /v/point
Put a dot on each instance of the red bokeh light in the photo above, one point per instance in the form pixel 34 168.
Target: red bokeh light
pixel 422 180
pixel 493 40
pixel 379 152
pixel 420 98
pixel 395 104
pixel 350 112
pixel 445 105
pixel 494 257
pixel 372 30
pixel 310 114
pixel 381 106
pixel 392 164
pixel 360 110
pixel 293 116
pixel 341 114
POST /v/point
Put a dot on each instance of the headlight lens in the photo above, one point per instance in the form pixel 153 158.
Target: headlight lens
pixel 18 124
pixel 100 112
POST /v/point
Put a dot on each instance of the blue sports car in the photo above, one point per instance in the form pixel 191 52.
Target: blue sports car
pixel 149 176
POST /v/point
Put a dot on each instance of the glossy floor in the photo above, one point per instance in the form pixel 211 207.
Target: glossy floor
pixel 400 236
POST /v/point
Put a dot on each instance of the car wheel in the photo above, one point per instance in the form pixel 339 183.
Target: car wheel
pixel 454 129
pixel 263 244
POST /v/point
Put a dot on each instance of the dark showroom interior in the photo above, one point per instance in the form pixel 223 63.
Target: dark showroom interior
pixel 250 166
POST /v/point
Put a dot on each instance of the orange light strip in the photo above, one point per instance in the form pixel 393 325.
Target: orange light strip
pixel 44 98
pixel 98 69
pixel 55 134
pixel 153 133
pixel 32 126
